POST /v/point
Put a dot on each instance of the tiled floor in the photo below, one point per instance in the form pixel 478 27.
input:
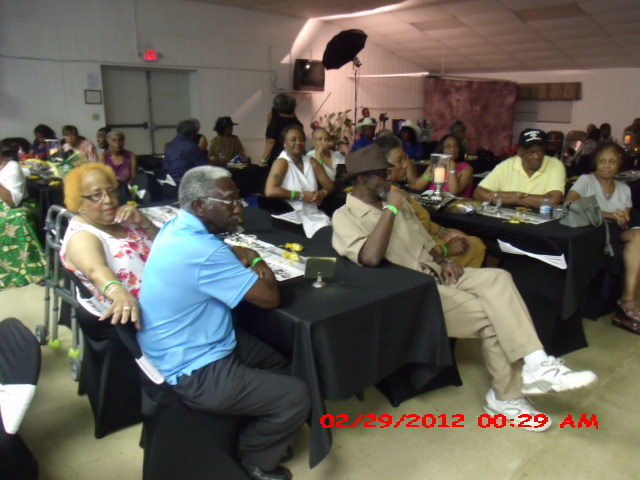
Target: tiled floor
pixel 59 426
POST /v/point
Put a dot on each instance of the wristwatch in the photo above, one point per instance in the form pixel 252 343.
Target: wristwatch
pixel 445 260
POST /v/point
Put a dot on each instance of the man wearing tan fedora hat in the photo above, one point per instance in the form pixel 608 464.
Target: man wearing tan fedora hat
pixel 366 128
pixel 378 223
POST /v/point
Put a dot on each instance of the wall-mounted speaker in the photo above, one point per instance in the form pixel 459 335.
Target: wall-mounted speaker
pixel 308 75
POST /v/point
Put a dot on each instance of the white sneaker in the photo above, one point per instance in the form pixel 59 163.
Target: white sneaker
pixel 519 412
pixel 553 376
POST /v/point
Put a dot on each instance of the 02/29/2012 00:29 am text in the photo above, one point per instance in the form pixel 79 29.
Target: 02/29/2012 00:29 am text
pixel 429 420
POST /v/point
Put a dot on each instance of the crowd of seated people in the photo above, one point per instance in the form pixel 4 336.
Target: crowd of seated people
pixel 107 246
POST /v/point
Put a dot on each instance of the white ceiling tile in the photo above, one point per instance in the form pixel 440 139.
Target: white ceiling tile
pixel 482 50
pixel 630 39
pixel 600 43
pixel 471 42
pixel 619 17
pixel 535 46
pixel 608 61
pixel 505 29
pixel 502 40
pixel 392 28
pixel 621 30
pixel 475 7
pixel 500 18
pixel 561 23
pixel 411 36
pixel 488 58
pixel 607 33
pixel 568 34
pixel 598 7
pixel 551 63
pixel 526 4
pixel 452 33
pixel 420 14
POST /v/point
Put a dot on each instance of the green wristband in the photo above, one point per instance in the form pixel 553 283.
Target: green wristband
pixel 111 282
pixel 294 194
pixel 391 208
pixel 445 250
pixel 255 261
pixel 426 176
pixel 264 160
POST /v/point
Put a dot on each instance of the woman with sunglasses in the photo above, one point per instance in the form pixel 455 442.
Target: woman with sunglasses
pixel 106 245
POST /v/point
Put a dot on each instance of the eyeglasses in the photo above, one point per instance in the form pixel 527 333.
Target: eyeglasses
pixel 99 197
pixel 233 203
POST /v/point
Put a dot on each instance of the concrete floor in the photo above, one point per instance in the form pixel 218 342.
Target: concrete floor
pixel 59 426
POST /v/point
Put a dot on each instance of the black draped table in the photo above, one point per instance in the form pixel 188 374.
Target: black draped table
pixel 46 195
pixel 250 178
pixel 557 299
pixel 356 332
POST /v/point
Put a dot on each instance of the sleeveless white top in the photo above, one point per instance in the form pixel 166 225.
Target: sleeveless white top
pixel 336 157
pixel 308 214
pixel 125 258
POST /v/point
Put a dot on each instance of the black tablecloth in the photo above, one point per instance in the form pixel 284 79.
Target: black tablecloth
pixel 46 195
pixel 557 299
pixel 250 179
pixel 366 324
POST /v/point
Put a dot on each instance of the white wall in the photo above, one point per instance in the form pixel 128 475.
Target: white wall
pixel 610 95
pixel 51 51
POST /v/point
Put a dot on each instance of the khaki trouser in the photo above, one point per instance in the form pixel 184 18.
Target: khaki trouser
pixel 486 304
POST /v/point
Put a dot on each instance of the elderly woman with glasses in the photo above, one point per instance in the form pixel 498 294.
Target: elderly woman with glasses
pixel 106 245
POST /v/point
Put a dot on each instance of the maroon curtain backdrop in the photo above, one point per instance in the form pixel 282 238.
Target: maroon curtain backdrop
pixel 486 108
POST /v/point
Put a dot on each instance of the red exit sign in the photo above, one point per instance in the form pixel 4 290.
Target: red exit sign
pixel 150 55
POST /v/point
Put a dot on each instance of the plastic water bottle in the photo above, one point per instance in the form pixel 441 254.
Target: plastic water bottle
pixel 545 209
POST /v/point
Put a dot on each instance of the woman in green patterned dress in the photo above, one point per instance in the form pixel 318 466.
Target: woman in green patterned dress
pixel 22 260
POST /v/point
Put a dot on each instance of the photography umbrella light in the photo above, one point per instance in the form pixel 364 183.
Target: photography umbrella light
pixel 342 49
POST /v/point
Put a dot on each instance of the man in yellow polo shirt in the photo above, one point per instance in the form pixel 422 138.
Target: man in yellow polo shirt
pixel 526 179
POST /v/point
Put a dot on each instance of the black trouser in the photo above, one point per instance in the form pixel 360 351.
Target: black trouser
pixel 241 384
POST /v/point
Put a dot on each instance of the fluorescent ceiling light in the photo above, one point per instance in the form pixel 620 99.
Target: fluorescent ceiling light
pixel 364 13
pixel 385 75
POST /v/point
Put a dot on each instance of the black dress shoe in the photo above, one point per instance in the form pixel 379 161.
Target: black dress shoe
pixel 287 455
pixel 256 473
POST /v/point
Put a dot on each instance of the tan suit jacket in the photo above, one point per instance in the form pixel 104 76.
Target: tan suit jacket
pixel 409 244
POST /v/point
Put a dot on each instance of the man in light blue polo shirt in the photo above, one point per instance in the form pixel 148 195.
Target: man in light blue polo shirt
pixel 526 179
pixel 192 281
